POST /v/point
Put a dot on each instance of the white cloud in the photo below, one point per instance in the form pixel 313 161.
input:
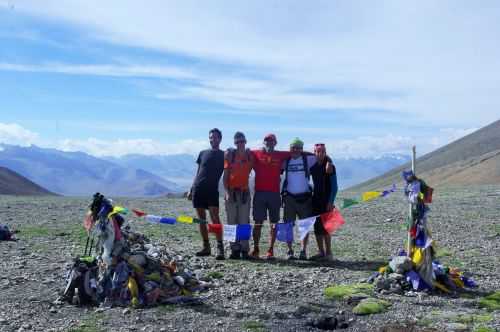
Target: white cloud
pixel 441 56
pixel 102 70
pixel 120 147
pixel 11 133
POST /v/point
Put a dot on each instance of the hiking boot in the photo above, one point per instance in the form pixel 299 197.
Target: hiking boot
pixel 318 257
pixel 270 254
pixel 203 252
pixel 220 253
pixel 302 255
pixel 235 254
pixel 255 254
pixel 290 255
pixel 327 258
pixel 246 256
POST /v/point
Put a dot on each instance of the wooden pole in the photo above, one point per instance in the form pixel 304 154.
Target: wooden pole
pixel 410 224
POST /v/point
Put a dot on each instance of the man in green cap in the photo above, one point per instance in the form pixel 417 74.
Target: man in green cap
pixel 297 191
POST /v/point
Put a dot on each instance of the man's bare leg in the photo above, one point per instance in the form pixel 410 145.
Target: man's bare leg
pixel 214 216
pixel 205 251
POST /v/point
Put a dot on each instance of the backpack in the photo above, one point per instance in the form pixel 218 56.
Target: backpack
pixel 5 234
pixel 307 174
pixel 81 281
pixel 427 191
pixel 232 155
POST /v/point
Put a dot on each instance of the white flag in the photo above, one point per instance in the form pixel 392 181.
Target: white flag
pixel 230 233
pixel 305 225
pixel 152 218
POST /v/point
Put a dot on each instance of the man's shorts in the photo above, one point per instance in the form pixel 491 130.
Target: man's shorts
pixel 203 199
pixel 297 207
pixel 264 202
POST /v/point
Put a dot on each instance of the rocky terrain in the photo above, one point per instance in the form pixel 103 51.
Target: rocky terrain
pixel 261 295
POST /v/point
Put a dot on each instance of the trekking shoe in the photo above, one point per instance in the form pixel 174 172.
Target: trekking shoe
pixel 327 258
pixel 270 254
pixel 302 255
pixel 203 252
pixel 235 254
pixel 317 257
pixel 255 254
pixel 290 255
pixel 245 256
pixel 220 254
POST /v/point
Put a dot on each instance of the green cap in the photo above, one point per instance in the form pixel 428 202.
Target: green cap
pixel 297 142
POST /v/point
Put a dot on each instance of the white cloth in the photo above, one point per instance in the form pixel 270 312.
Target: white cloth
pixel 230 233
pixel 305 225
pixel 297 182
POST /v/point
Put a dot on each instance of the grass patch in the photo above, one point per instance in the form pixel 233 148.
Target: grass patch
pixel 484 329
pixel 215 275
pixel 468 319
pixel 371 306
pixel 30 231
pixel 443 252
pixel 491 302
pixel 254 325
pixel 89 324
pixel 341 291
pixel 166 308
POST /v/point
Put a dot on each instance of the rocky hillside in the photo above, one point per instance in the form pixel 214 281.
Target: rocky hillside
pixel 12 183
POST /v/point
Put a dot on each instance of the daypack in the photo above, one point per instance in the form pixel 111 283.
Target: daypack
pixel 82 281
pixel 307 174
pixel 426 191
pixel 232 155
pixel 5 233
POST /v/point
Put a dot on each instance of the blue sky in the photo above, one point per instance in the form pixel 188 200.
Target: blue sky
pixel 118 77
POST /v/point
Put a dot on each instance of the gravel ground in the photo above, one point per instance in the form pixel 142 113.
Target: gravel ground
pixel 261 295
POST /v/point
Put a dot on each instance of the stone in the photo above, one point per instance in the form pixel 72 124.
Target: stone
pixel 401 264
pixel 456 327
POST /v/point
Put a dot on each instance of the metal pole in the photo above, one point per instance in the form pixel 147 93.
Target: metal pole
pixel 410 217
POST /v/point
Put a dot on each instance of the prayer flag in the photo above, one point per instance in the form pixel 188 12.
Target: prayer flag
pixel 284 232
pixel 243 232
pixel 332 221
pixel 139 213
pixel 305 226
pixel 185 219
pixel 215 228
pixel 230 233
pixel 152 218
pixel 199 221
pixel 88 222
pixel 369 195
pixel 169 221
pixel 118 209
pixel 349 202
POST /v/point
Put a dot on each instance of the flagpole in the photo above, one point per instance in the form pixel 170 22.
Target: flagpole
pixel 410 224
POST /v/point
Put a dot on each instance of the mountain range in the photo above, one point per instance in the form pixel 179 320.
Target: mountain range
pixel 80 174
pixel 471 160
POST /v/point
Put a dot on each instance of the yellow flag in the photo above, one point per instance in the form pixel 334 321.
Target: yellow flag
pixel 369 195
pixel 185 219
pixel 418 256
pixel 118 209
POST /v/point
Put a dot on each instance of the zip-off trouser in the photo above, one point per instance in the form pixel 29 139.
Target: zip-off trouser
pixel 238 213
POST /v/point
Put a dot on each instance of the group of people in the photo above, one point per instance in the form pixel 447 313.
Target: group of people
pixel 297 196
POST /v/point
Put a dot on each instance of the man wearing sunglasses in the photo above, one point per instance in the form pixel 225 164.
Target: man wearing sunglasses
pixel 238 164
pixel 323 199
pixel 205 190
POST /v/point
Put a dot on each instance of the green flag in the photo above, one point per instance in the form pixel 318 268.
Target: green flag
pixel 349 202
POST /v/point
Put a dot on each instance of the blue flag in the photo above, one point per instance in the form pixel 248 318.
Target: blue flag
pixel 284 232
pixel 243 232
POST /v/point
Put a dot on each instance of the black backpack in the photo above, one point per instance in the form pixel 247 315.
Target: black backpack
pixel 80 280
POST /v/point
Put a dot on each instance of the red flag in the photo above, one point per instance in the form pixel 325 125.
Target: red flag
pixel 88 222
pixel 332 221
pixel 215 228
pixel 139 213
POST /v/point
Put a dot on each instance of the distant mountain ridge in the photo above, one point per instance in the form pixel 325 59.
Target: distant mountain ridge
pixel 181 168
pixel 471 160
pixel 77 173
pixel 12 183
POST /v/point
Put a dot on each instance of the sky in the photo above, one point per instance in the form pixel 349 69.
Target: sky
pixel 366 78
